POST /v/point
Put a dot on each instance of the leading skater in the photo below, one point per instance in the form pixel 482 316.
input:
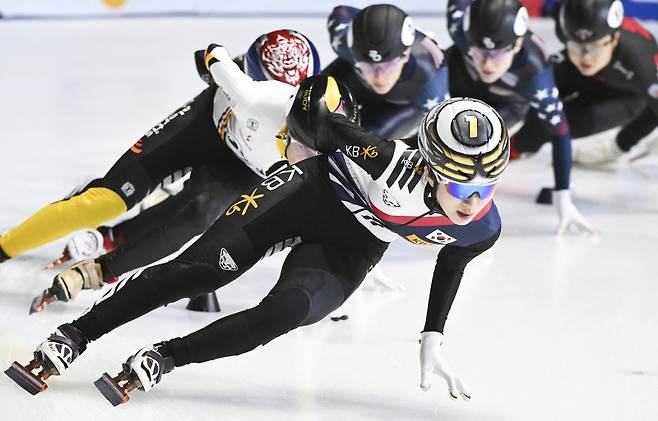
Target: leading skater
pixel 346 209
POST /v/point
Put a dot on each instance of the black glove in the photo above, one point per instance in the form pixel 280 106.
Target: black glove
pixel 204 74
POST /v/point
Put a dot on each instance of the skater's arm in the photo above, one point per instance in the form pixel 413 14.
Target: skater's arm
pixel 310 123
pixel 338 24
pixel 448 273
pixel 362 147
pixel 242 91
pixel 456 10
pixel 637 129
pixel 543 96
pixel 645 66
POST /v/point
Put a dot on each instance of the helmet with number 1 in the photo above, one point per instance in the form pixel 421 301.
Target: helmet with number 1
pixel 495 24
pixel 380 32
pixel 284 55
pixel 464 140
pixel 588 20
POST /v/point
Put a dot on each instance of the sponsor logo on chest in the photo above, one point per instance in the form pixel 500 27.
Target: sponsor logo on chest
pixel 621 69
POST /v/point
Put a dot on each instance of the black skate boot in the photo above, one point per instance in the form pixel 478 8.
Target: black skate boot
pixel 141 371
pixel 52 357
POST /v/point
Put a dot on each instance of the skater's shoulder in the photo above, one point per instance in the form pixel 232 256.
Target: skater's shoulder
pixel 636 55
pixel 533 59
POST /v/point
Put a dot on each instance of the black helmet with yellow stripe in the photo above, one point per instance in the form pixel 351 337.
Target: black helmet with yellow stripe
pixel 316 97
pixel 464 140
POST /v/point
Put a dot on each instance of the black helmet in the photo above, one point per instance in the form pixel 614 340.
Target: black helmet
pixel 588 20
pixel 316 97
pixel 494 24
pixel 464 140
pixel 380 32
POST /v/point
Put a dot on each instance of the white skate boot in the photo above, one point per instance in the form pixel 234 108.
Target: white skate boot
pixel 86 274
pixel 53 356
pixel 141 371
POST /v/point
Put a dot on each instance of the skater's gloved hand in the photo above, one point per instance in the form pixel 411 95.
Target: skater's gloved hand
pixel 202 70
pixel 432 360
pixel 569 215
pixel 213 53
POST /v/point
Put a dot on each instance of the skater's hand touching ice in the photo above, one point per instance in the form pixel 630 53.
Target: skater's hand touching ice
pixel 570 216
pixel 432 360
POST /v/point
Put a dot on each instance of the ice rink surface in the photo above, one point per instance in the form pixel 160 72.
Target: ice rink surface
pixel 543 329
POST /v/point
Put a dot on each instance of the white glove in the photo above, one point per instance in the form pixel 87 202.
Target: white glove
pixel 432 360
pixel 569 214
pixel 596 153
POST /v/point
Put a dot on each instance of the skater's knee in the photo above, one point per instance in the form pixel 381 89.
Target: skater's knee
pixel 324 290
pixel 278 314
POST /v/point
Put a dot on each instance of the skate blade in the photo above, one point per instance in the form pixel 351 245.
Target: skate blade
pixel 26 379
pixel 42 301
pixel 65 258
pixel 111 390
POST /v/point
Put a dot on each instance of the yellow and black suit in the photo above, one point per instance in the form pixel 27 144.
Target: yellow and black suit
pixel 185 140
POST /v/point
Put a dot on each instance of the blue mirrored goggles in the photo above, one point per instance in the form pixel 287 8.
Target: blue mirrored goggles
pixel 465 191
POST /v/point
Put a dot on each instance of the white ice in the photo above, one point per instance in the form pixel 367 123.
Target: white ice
pixel 543 329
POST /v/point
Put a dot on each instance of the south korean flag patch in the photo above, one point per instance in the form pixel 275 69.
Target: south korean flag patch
pixel 440 237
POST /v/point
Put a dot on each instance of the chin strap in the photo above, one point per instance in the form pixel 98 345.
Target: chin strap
pixel 430 194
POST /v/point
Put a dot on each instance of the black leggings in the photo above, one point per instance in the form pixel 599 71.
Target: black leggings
pixel 185 140
pixel 165 227
pixel 318 275
pixel 591 107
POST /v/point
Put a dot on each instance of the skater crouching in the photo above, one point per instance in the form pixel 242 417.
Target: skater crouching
pixel 346 207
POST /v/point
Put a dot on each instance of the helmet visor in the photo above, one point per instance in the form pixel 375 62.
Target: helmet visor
pixel 383 68
pixel 465 191
pixel 482 55
pixel 592 48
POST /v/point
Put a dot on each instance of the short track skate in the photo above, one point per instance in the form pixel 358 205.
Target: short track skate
pixel 65 257
pixel 25 377
pixel 115 389
pixel 43 300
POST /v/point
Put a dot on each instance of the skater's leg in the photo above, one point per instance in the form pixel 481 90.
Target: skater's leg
pixel 587 115
pixel 193 273
pixel 85 210
pixel 270 213
pixel 189 213
pixel 159 154
pixel 315 280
